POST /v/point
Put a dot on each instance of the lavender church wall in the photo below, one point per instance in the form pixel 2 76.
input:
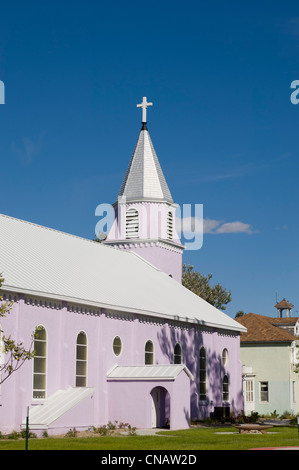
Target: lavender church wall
pixel 62 327
pixel 164 258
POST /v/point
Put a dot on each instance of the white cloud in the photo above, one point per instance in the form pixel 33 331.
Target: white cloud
pixel 234 227
pixel 210 225
pixel 189 225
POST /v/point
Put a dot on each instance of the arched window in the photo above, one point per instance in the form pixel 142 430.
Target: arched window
pixel 81 360
pixel 177 357
pixel 225 389
pixel 202 374
pixel 40 363
pixel 169 226
pixel 224 357
pixel 132 223
pixel 149 353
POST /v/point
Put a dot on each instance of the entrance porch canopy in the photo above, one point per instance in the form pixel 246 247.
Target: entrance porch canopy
pixel 148 372
pixel 131 400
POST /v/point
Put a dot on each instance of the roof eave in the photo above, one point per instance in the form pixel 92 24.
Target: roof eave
pixel 268 341
pixel 132 200
pixel 120 308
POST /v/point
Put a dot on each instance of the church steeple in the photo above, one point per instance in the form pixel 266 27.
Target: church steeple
pixel 145 211
pixel 144 179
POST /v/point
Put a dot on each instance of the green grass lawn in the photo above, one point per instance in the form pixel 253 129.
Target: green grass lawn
pixel 191 439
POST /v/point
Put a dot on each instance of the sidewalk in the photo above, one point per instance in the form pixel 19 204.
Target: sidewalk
pixel 150 431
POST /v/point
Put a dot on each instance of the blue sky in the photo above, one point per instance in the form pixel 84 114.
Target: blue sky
pixel 222 123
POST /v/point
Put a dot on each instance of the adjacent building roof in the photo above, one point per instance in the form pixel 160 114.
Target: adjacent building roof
pixel 39 261
pixel 291 321
pixel 144 179
pixel 284 304
pixel 261 328
pixel 148 372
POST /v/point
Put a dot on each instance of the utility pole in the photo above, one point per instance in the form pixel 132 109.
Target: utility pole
pixel 27 429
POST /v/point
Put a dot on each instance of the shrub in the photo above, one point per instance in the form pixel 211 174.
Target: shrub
pixel 102 430
pixel 128 428
pixel 13 435
pixel 31 435
pixel 108 429
pixel 287 415
pixel 71 433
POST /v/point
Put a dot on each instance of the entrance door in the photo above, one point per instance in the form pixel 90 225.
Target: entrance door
pixel 248 396
pixel 156 407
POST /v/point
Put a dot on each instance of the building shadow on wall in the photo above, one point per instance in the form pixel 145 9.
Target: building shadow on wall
pixel 191 340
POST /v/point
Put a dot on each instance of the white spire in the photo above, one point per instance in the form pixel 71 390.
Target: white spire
pixel 144 179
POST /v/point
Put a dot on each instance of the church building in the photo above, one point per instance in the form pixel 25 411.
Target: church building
pixel 119 337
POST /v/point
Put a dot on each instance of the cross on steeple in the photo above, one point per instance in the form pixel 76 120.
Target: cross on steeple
pixel 144 105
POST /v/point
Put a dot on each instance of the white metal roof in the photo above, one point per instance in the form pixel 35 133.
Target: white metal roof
pixel 44 262
pixel 148 372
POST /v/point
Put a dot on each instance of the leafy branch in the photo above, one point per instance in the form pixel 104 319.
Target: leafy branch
pixel 12 354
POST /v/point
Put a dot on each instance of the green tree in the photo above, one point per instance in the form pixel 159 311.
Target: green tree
pixel 13 354
pixel 198 283
pixel 239 313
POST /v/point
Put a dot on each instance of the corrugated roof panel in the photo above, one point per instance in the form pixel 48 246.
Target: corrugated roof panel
pixel 56 406
pixel 41 261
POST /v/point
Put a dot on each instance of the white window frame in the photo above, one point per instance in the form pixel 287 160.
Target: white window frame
pixel 202 376
pixel 177 356
pixel 42 391
pixel 149 356
pixel 169 225
pixel 225 389
pixel 249 391
pixel 132 223
pixel 81 361
pixel 225 356
pixel 263 392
